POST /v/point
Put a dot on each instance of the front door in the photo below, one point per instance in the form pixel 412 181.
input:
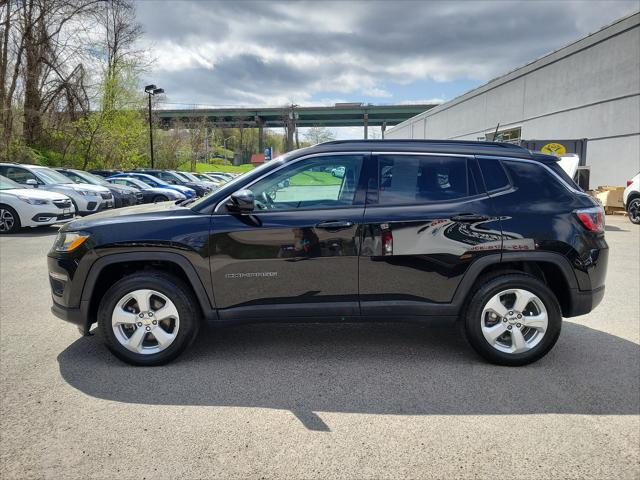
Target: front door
pixel 427 219
pixel 296 255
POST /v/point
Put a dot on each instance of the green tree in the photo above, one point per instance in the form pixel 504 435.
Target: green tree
pixel 317 135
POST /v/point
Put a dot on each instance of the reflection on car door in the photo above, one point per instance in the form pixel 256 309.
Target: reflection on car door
pixel 297 254
pixel 427 221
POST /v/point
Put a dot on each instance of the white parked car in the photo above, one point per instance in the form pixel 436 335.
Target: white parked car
pixel 631 199
pixel 86 198
pixel 338 172
pixel 28 207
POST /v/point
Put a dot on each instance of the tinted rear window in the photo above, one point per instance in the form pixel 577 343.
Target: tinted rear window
pixel 536 183
pixel 415 179
pixel 563 175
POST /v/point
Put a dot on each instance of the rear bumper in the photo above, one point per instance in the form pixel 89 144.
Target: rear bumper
pixel 584 301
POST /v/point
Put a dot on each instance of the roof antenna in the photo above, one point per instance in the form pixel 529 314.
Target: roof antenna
pixel 495 134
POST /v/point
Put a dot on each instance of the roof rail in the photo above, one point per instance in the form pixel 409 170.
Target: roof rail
pixel 474 143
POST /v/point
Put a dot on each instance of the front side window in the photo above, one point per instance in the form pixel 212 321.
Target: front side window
pixel 419 179
pixel 314 183
pixel 20 175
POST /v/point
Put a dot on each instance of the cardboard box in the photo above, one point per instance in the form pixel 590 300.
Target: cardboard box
pixel 609 196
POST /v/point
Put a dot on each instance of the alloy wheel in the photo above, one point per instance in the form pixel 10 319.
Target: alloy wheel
pixel 634 210
pixel 6 220
pixel 145 321
pixel 514 321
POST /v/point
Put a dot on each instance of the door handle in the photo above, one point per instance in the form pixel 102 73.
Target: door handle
pixel 335 225
pixel 469 217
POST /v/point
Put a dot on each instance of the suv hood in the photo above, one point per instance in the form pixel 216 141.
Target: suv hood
pixel 136 213
pixel 97 189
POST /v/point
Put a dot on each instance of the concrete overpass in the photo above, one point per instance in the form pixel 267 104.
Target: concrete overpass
pixel 292 116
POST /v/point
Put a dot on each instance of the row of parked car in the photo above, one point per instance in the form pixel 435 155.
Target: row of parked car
pixel 33 195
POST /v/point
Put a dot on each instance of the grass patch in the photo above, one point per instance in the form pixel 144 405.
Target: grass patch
pixel 315 179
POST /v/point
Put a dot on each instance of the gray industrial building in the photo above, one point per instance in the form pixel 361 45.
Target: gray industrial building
pixel 584 98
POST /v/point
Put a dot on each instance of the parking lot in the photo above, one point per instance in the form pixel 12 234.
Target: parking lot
pixel 318 401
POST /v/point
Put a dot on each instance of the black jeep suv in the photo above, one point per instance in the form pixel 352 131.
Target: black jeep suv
pixel 488 233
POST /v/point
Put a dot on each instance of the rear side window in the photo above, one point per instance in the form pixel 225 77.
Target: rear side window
pixel 493 173
pixel 536 183
pixel 562 174
pixel 416 179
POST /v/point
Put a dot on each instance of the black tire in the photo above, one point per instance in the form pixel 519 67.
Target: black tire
pixel 159 198
pixel 633 210
pixel 173 288
pixel 10 213
pixel 490 286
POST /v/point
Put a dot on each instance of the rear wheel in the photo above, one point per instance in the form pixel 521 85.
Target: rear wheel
pixel 9 220
pixel 148 318
pixel 633 210
pixel 513 320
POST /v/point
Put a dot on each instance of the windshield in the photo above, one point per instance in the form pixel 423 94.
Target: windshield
pixel 93 179
pixel 189 176
pixel 49 176
pixel 180 176
pixel 7 184
pixel 138 183
pixel 153 181
pixel 206 178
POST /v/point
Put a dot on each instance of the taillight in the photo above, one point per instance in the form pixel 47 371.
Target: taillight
pixel 591 218
pixel 387 242
pixel 629 182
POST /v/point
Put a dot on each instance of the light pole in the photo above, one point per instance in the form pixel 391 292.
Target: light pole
pixel 152 90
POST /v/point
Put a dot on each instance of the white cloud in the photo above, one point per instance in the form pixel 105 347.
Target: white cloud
pixel 271 53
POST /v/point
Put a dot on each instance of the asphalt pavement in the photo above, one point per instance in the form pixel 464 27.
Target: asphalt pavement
pixel 318 401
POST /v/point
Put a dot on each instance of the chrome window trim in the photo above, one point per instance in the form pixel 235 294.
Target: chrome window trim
pixel 535 162
pixel 286 164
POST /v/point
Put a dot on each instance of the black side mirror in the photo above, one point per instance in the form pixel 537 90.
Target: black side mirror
pixel 242 201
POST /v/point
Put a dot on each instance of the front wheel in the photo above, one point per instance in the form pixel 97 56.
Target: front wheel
pixel 148 318
pixel 513 320
pixel 9 220
pixel 633 210
pixel 159 198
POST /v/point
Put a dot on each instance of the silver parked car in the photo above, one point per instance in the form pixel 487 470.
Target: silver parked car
pixel 86 198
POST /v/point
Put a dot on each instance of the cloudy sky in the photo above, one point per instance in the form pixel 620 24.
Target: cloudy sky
pixel 381 52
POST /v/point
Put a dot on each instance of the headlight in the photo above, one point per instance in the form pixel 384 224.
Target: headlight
pixel 69 241
pixel 84 192
pixel 33 201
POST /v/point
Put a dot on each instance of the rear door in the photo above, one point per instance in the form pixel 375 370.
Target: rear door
pixel 427 219
pixel 297 253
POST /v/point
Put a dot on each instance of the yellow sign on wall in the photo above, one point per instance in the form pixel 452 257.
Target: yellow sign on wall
pixel 556 149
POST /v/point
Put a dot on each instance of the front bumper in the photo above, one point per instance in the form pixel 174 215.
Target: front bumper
pixel 48 218
pixel 75 316
pixel 67 275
